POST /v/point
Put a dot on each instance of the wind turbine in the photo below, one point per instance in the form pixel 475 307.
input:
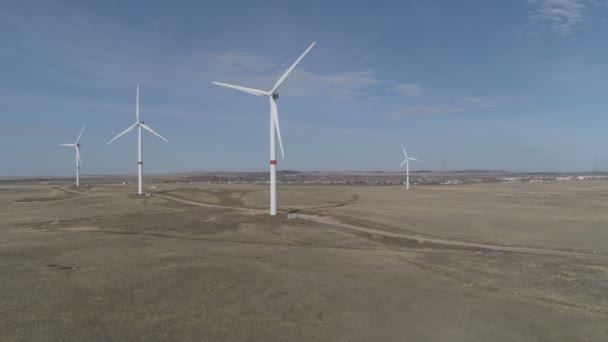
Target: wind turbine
pixel 406 161
pixel 140 154
pixel 275 130
pixel 76 145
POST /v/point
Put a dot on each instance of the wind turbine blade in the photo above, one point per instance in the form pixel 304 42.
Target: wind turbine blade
pixel 282 79
pixel 79 135
pixel 275 117
pixel 137 104
pixel 78 155
pixel 413 159
pixel 404 153
pixel 147 128
pixel 245 89
pixel 405 161
pixel 69 145
pixel 124 132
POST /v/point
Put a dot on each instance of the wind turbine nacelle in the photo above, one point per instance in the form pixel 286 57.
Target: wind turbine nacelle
pixel 78 145
pixel 275 95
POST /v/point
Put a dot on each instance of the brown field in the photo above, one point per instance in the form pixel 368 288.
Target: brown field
pixel 483 262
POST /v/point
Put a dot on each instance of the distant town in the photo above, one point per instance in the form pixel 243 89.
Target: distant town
pixel 387 178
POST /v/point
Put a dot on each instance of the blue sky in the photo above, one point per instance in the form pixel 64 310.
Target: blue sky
pixel 515 85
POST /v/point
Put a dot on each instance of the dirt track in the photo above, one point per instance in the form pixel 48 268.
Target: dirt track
pixel 419 239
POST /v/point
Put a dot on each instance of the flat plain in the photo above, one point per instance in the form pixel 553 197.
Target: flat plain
pixel 474 262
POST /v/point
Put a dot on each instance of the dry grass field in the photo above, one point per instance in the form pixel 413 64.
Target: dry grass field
pixel 483 262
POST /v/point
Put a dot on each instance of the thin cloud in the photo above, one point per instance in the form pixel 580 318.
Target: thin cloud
pixel 429 109
pixel 464 104
pixel 240 60
pixel 477 102
pixel 560 17
pixel 346 85
pixel 408 89
pixel 471 99
pixel 554 148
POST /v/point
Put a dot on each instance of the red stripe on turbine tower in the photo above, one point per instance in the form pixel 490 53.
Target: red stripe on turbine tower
pixel 273 162
pixel 140 163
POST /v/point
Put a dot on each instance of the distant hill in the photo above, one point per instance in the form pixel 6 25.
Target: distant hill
pixel 475 171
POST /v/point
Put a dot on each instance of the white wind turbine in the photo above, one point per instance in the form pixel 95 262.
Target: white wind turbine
pixel 274 125
pixel 140 154
pixel 406 161
pixel 76 145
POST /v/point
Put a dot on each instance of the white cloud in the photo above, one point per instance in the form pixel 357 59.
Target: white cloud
pixel 408 89
pixel 561 17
